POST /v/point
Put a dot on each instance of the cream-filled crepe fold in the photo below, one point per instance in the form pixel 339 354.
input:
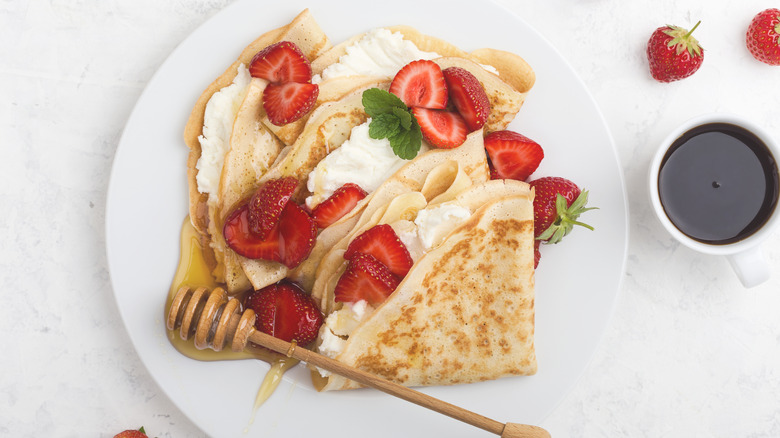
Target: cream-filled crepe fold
pixel 244 147
pixel 326 129
pixel 467 299
pixel 505 76
pixel 470 158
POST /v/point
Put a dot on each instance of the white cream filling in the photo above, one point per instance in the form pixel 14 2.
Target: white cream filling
pixel 360 160
pixel 434 224
pixel 218 119
pixel 338 325
pixel 378 53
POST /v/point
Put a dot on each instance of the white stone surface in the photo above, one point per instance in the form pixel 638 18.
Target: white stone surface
pixel 688 352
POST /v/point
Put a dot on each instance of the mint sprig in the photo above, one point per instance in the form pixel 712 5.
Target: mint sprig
pixel 391 119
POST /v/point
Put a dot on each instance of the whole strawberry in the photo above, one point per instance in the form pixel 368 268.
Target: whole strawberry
pixel 558 203
pixel 673 53
pixel 131 433
pixel 763 37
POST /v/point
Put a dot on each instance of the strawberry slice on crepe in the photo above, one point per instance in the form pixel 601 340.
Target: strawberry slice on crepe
pixel 367 279
pixel 421 83
pixel 341 202
pixel 441 128
pixel 281 62
pixel 381 242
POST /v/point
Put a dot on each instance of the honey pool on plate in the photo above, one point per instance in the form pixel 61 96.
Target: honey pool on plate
pixel 193 271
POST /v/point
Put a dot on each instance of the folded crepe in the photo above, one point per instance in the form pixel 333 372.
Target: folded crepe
pixel 327 127
pixel 248 148
pixel 464 312
pixel 505 76
pixel 432 172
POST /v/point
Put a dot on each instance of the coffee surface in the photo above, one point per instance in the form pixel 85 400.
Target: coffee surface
pixel 718 183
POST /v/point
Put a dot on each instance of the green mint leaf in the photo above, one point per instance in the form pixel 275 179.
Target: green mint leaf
pixel 142 430
pixel 384 126
pixel 404 117
pixel 392 119
pixel 406 143
pixel 377 101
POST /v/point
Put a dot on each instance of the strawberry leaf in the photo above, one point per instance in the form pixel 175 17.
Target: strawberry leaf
pixel 566 218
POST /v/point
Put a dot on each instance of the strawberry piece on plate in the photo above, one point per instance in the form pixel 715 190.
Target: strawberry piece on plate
pixel 285 311
pixel 140 433
pixel 421 83
pixel 468 96
pixel 267 203
pixel 512 155
pixel 289 101
pixel 289 242
pixel 441 128
pixel 383 244
pixel 763 37
pixel 341 202
pixel 281 62
pixel 365 279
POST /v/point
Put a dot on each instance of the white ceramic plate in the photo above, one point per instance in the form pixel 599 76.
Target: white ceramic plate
pixel 577 281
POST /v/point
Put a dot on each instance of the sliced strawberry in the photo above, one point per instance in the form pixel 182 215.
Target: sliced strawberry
pixel 289 101
pixel 281 62
pixel 285 311
pixel 383 244
pixel 512 155
pixel 365 279
pixel 468 96
pixel 420 83
pixel 289 242
pixel 267 203
pixel 441 128
pixel 241 240
pixel 341 202
pixel 298 235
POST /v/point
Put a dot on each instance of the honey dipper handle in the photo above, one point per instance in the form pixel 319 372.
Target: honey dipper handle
pixel 509 430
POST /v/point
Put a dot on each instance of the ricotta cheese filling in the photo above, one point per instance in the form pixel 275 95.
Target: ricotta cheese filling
pixel 361 160
pixel 218 119
pixel 338 325
pixel 378 53
pixel 434 224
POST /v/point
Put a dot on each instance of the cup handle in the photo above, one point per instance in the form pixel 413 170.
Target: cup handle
pixel 750 266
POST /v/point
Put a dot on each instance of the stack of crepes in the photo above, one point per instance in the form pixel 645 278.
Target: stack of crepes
pixel 465 311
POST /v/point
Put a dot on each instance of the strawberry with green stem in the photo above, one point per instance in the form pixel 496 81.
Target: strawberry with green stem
pixel 558 203
pixel 763 37
pixel 673 53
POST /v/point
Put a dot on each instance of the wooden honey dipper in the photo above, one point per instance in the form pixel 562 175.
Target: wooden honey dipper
pixel 214 320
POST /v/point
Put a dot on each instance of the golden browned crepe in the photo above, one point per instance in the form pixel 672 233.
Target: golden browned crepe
pixel 465 311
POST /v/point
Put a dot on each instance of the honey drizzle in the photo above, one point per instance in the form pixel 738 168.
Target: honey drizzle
pixel 193 271
pixel 271 381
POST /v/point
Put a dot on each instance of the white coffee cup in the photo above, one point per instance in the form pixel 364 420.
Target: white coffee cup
pixel 745 255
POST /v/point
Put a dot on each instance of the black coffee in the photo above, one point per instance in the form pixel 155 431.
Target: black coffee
pixel 718 183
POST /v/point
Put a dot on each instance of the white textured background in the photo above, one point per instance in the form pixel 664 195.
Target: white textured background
pixel 688 353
